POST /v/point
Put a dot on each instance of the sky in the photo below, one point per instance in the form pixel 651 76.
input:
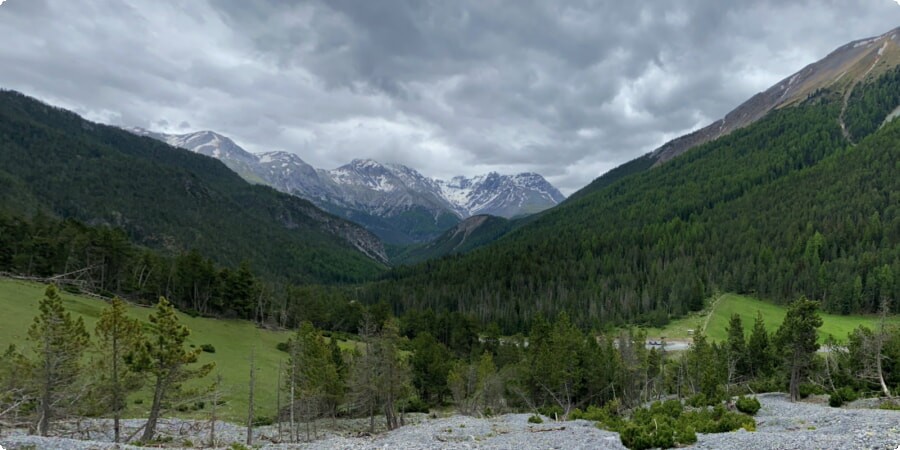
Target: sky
pixel 568 89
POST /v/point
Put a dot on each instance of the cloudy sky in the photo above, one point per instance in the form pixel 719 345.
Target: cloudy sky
pixel 569 89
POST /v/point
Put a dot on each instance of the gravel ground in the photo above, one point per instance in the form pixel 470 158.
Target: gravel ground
pixel 511 431
pixel 780 425
pixel 785 425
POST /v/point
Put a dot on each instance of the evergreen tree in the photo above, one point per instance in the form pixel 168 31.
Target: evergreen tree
pixel 797 340
pixel 313 372
pixel 391 372
pixel 736 348
pixel 58 344
pixel 430 363
pixel 166 359
pixel 759 349
pixel 119 338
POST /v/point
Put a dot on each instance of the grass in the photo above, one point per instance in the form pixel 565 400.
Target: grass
pixel 716 316
pixel 233 341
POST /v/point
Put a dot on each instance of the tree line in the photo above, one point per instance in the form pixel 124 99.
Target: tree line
pixel 102 260
pixel 400 366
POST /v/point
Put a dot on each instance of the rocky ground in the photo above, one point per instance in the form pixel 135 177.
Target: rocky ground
pixel 780 425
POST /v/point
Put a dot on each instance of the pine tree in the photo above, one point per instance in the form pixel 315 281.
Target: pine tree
pixel 166 359
pixel 119 338
pixel 59 343
pixel 797 340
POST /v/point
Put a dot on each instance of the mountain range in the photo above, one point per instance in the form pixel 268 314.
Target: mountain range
pixel 394 201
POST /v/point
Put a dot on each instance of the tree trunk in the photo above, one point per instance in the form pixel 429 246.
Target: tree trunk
pixel 150 427
pixel 250 400
pixel 278 401
pixel 795 383
pixel 117 394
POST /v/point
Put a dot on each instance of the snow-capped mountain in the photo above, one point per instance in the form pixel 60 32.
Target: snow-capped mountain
pixel 394 201
pixel 500 195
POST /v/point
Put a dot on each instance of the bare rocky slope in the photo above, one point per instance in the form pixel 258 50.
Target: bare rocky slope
pixel 841 69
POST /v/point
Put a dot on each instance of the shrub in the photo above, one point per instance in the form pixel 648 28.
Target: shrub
pixel 593 414
pixel 747 405
pixel 283 346
pixel 844 394
pixel 263 421
pixel 770 384
pixel 667 424
pixel 697 400
pixel 535 419
pixel 415 405
pixel 685 435
pixel 553 411
pixel 835 400
pixel 807 389
pixel 208 348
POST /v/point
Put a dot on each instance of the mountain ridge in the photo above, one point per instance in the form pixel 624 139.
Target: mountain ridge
pixel 376 194
pixel 168 198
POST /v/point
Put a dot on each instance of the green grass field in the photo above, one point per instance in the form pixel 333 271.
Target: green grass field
pixel 232 339
pixel 716 316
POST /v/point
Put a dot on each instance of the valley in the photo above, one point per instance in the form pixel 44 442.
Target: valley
pixel 709 283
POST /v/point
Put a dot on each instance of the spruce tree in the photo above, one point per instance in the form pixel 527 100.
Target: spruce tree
pixel 58 344
pixel 759 349
pixel 736 348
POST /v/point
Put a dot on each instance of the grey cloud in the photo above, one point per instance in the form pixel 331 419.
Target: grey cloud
pixel 567 89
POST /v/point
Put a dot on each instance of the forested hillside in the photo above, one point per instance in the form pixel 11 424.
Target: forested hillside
pixel 782 208
pixel 56 163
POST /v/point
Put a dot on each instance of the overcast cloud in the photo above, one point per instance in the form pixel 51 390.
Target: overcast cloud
pixel 568 89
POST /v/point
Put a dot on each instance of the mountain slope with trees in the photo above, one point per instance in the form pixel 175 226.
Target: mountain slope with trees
pixel 784 207
pixel 57 163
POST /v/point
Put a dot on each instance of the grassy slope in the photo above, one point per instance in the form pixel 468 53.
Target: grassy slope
pixel 233 340
pixel 747 307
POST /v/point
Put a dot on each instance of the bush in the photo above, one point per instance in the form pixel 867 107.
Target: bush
pixel 283 346
pixel 807 389
pixel 535 419
pixel 553 412
pixel 697 401
pixel 593 414
pixel 263 421
pixel 415 405
pixel 667 424
pixel 747 405
pixel 844 394
pixel 770 384
pixel 208 348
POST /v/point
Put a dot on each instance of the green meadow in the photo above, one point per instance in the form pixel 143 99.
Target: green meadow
pixel 714 319
pixel 234 341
